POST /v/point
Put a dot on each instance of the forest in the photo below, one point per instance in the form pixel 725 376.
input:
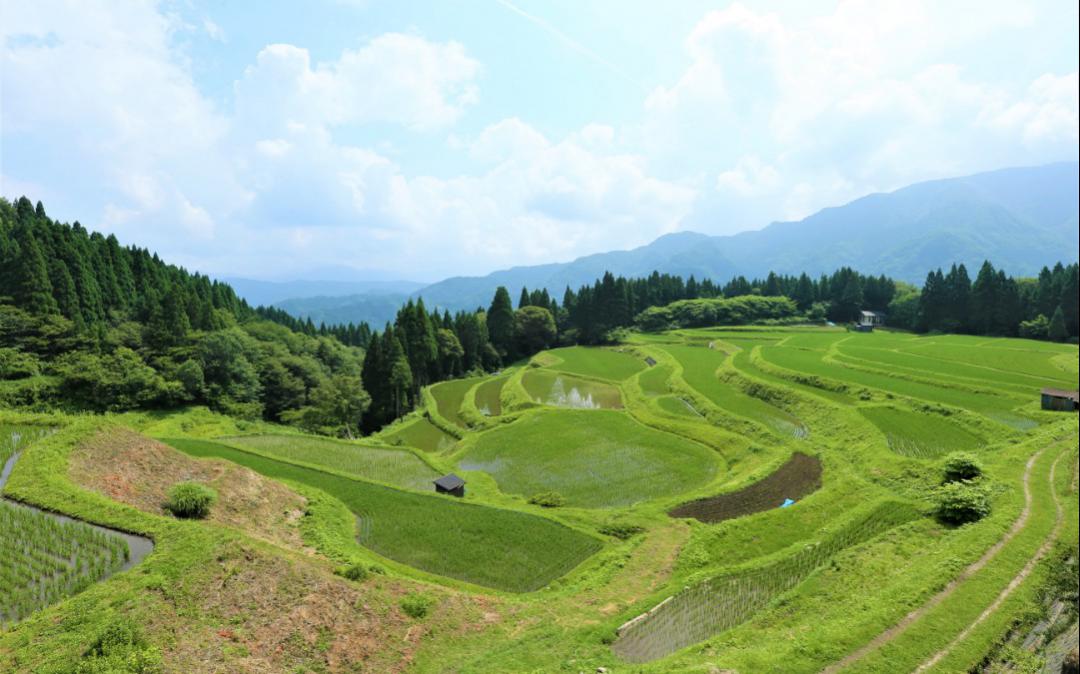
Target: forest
pixel 86 323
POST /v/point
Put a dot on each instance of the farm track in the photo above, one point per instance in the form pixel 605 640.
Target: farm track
pixel 1014 583
pixel 898 629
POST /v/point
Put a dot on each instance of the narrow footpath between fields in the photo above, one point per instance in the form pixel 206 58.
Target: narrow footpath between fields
pixel 1014 583
pixel 899 628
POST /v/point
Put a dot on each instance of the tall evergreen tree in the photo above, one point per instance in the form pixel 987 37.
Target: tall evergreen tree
pixel 500 324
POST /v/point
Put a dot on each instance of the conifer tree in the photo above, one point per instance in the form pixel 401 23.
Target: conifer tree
pixel 500 324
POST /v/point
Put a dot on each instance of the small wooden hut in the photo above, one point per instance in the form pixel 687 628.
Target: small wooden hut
pixel 450 484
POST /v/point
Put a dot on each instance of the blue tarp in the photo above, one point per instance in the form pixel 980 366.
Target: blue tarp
pixel 787 502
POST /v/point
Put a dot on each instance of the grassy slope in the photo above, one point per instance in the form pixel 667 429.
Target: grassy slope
pixel 491 547
pixel 839 607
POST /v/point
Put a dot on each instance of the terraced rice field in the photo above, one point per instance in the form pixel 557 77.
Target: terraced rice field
pixel 561 390
pixel 421 434
pixel 699 371
pixel 920 435
pixel 594 459
pixel 395 467
pixel 997 406
pixel 45 558
pixel 488 396
pixel 594 362
pixel 795 479
pixel 654 381
pixel 496 548
pixel 677 406
pixel 450 395
pixel 730 599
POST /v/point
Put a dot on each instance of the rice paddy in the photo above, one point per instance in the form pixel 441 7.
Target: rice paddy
pixel 421 434
pixel 920 435
pixel 44 557
pixel 449 396
pixel 732 598
pixel 395 467
pixel 597 362
pixel 488 396
pixel 699 370
pixel 492 547
pixel 599 459
pixel 560 390
pixel 661 504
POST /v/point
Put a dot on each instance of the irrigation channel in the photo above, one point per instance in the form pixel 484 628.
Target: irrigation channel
pixel 138 547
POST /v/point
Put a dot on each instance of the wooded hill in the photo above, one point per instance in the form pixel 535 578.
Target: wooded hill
pixel 86 323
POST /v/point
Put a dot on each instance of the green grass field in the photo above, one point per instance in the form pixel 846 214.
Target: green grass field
pixel 493 547
pixel 920 435
pixel 594 459
pixel 593 362
pixel 396 467
pixel 683 541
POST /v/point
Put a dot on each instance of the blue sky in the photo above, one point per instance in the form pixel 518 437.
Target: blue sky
pixel 425 139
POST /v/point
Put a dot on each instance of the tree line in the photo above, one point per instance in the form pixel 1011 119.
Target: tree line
pixel 422 347
pixel 1045 307
pixel 86 323
pixel 90 324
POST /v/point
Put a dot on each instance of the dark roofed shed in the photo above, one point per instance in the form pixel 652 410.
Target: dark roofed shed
pixel 450 484
pixel 1060 400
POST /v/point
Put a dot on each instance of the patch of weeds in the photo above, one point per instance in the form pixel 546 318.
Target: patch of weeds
pixel 416 605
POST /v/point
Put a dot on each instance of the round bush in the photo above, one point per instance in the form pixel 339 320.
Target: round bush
pixel 962 502
pixel 962 466
pixel 416 605
pixel 354 572
pixel 190 500
pixel 548 499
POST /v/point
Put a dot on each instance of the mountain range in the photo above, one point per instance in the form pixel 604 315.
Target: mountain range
pixel 1018 218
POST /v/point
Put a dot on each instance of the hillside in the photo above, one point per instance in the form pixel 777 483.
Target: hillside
pixel 1018 218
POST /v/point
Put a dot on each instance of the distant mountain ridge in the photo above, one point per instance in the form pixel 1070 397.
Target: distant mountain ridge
pixel 1019 218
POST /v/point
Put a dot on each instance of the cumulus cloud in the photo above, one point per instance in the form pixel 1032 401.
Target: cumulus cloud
pixel 858 99
pixel 299 164
pixel 398 78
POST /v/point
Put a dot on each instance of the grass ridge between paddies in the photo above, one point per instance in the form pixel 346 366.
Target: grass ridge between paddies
pixel 593 458
pixel 492 547
pixel 395 467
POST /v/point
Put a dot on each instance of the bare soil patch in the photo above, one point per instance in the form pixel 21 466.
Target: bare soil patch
pixel 136 470
pixel 798 477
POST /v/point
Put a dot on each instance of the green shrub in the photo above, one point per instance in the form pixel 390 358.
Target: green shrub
pixel 416 605
pixel 962 466
pixel 621 531
pixel 962 502
pixel 354 572
pixel 548 499
pixel 120 649
pixel 190 500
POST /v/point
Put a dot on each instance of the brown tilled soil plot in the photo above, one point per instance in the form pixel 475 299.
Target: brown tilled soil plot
pixel 138 471
pixel 801 475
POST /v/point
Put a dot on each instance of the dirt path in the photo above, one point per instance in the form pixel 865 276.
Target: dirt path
pixel 896 630
pixel 1013 584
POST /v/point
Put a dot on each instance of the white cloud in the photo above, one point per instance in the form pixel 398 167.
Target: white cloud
pixel 398 78
pixel 861 98
pixel 310 162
